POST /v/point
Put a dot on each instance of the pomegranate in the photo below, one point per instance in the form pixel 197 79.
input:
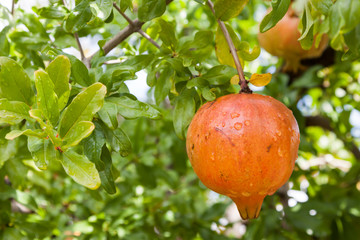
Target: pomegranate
pixel 282 41
pixel 243 146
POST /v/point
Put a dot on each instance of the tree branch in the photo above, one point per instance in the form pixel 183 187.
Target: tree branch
pixel 144 34
pixel 242 81
pixel 13 7
pixel 121 36
pixel 319 121
pixel 83 58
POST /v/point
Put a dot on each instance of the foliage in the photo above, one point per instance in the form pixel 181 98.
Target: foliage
pixel 66 119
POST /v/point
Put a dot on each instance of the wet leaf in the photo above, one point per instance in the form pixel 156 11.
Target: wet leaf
pixel 46 98
pixel 79 168
pixel 82 108
pixel 28 132
pixel 13 112
pixel 12 76
pixel 59 71
pixel 130 108
pixel 77 133
pixel 227 9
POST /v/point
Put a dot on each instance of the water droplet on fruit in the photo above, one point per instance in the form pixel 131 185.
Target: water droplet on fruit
pixel 246 194
pixel 281 154
pixel 238 126
pixel 251 184
pixel 278 133
pixel 247 122
pixel 223 124
pixel 234 115
pixel 212 157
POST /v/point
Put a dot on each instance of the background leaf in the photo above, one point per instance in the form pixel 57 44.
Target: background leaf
pixel 227 9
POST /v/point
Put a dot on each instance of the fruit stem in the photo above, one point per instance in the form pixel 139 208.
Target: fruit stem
pixel 242 81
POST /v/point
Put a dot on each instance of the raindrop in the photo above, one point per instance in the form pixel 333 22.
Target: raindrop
pixel 246 194
pixel 278 133
pixel 212 157
pixel 223 124
pixel 281 154
pixel 238 126
pixel 247 122
pixel 234 115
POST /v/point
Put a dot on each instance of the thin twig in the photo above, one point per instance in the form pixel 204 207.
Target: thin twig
pixel 79 46
pixel 13 7
pixel 242 81
pixel 144 34
pixel 121 36
pixel 83 58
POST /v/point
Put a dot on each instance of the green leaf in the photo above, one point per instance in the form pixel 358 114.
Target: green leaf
pixel 46 98
pixel 227 9
pixel 352 42
pixel 125 4
pixel 82 108
pixel 344 16
pixel 119 141
pixel 59 72
pixel 14 82
pixel 8 149
pixel 78 18
pixel 77 133
pixel 104 8
pixel 184 111
pixel 43 151
pixel 79 168
pixel 93 145
pixel 164 83
pixel 106 176
pixel 219 75
pixel 28 132
pixel 149 9
pixel 51 12
pixel 279 9
pixel 108 114
pixel 167 34
pixel 139 62
pixel 79 72
pixel 130 108
pixel 4 42
pixel 13 112
pixel 243 48
pixel 307 37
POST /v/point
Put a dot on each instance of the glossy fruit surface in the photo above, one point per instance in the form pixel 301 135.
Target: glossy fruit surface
pixel 282 41
pixel 243 146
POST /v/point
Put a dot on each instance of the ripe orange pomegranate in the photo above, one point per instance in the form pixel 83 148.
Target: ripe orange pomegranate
pixel 282 41
pixel 243 146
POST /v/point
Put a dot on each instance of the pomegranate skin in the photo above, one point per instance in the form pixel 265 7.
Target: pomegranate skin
pixel 243 146
pixel 282 41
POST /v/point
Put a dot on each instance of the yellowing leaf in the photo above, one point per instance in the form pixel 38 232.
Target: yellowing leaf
pixel 222 48
pixel 235 79
pixel 227 9
pixel 242 48
pixel 260 80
